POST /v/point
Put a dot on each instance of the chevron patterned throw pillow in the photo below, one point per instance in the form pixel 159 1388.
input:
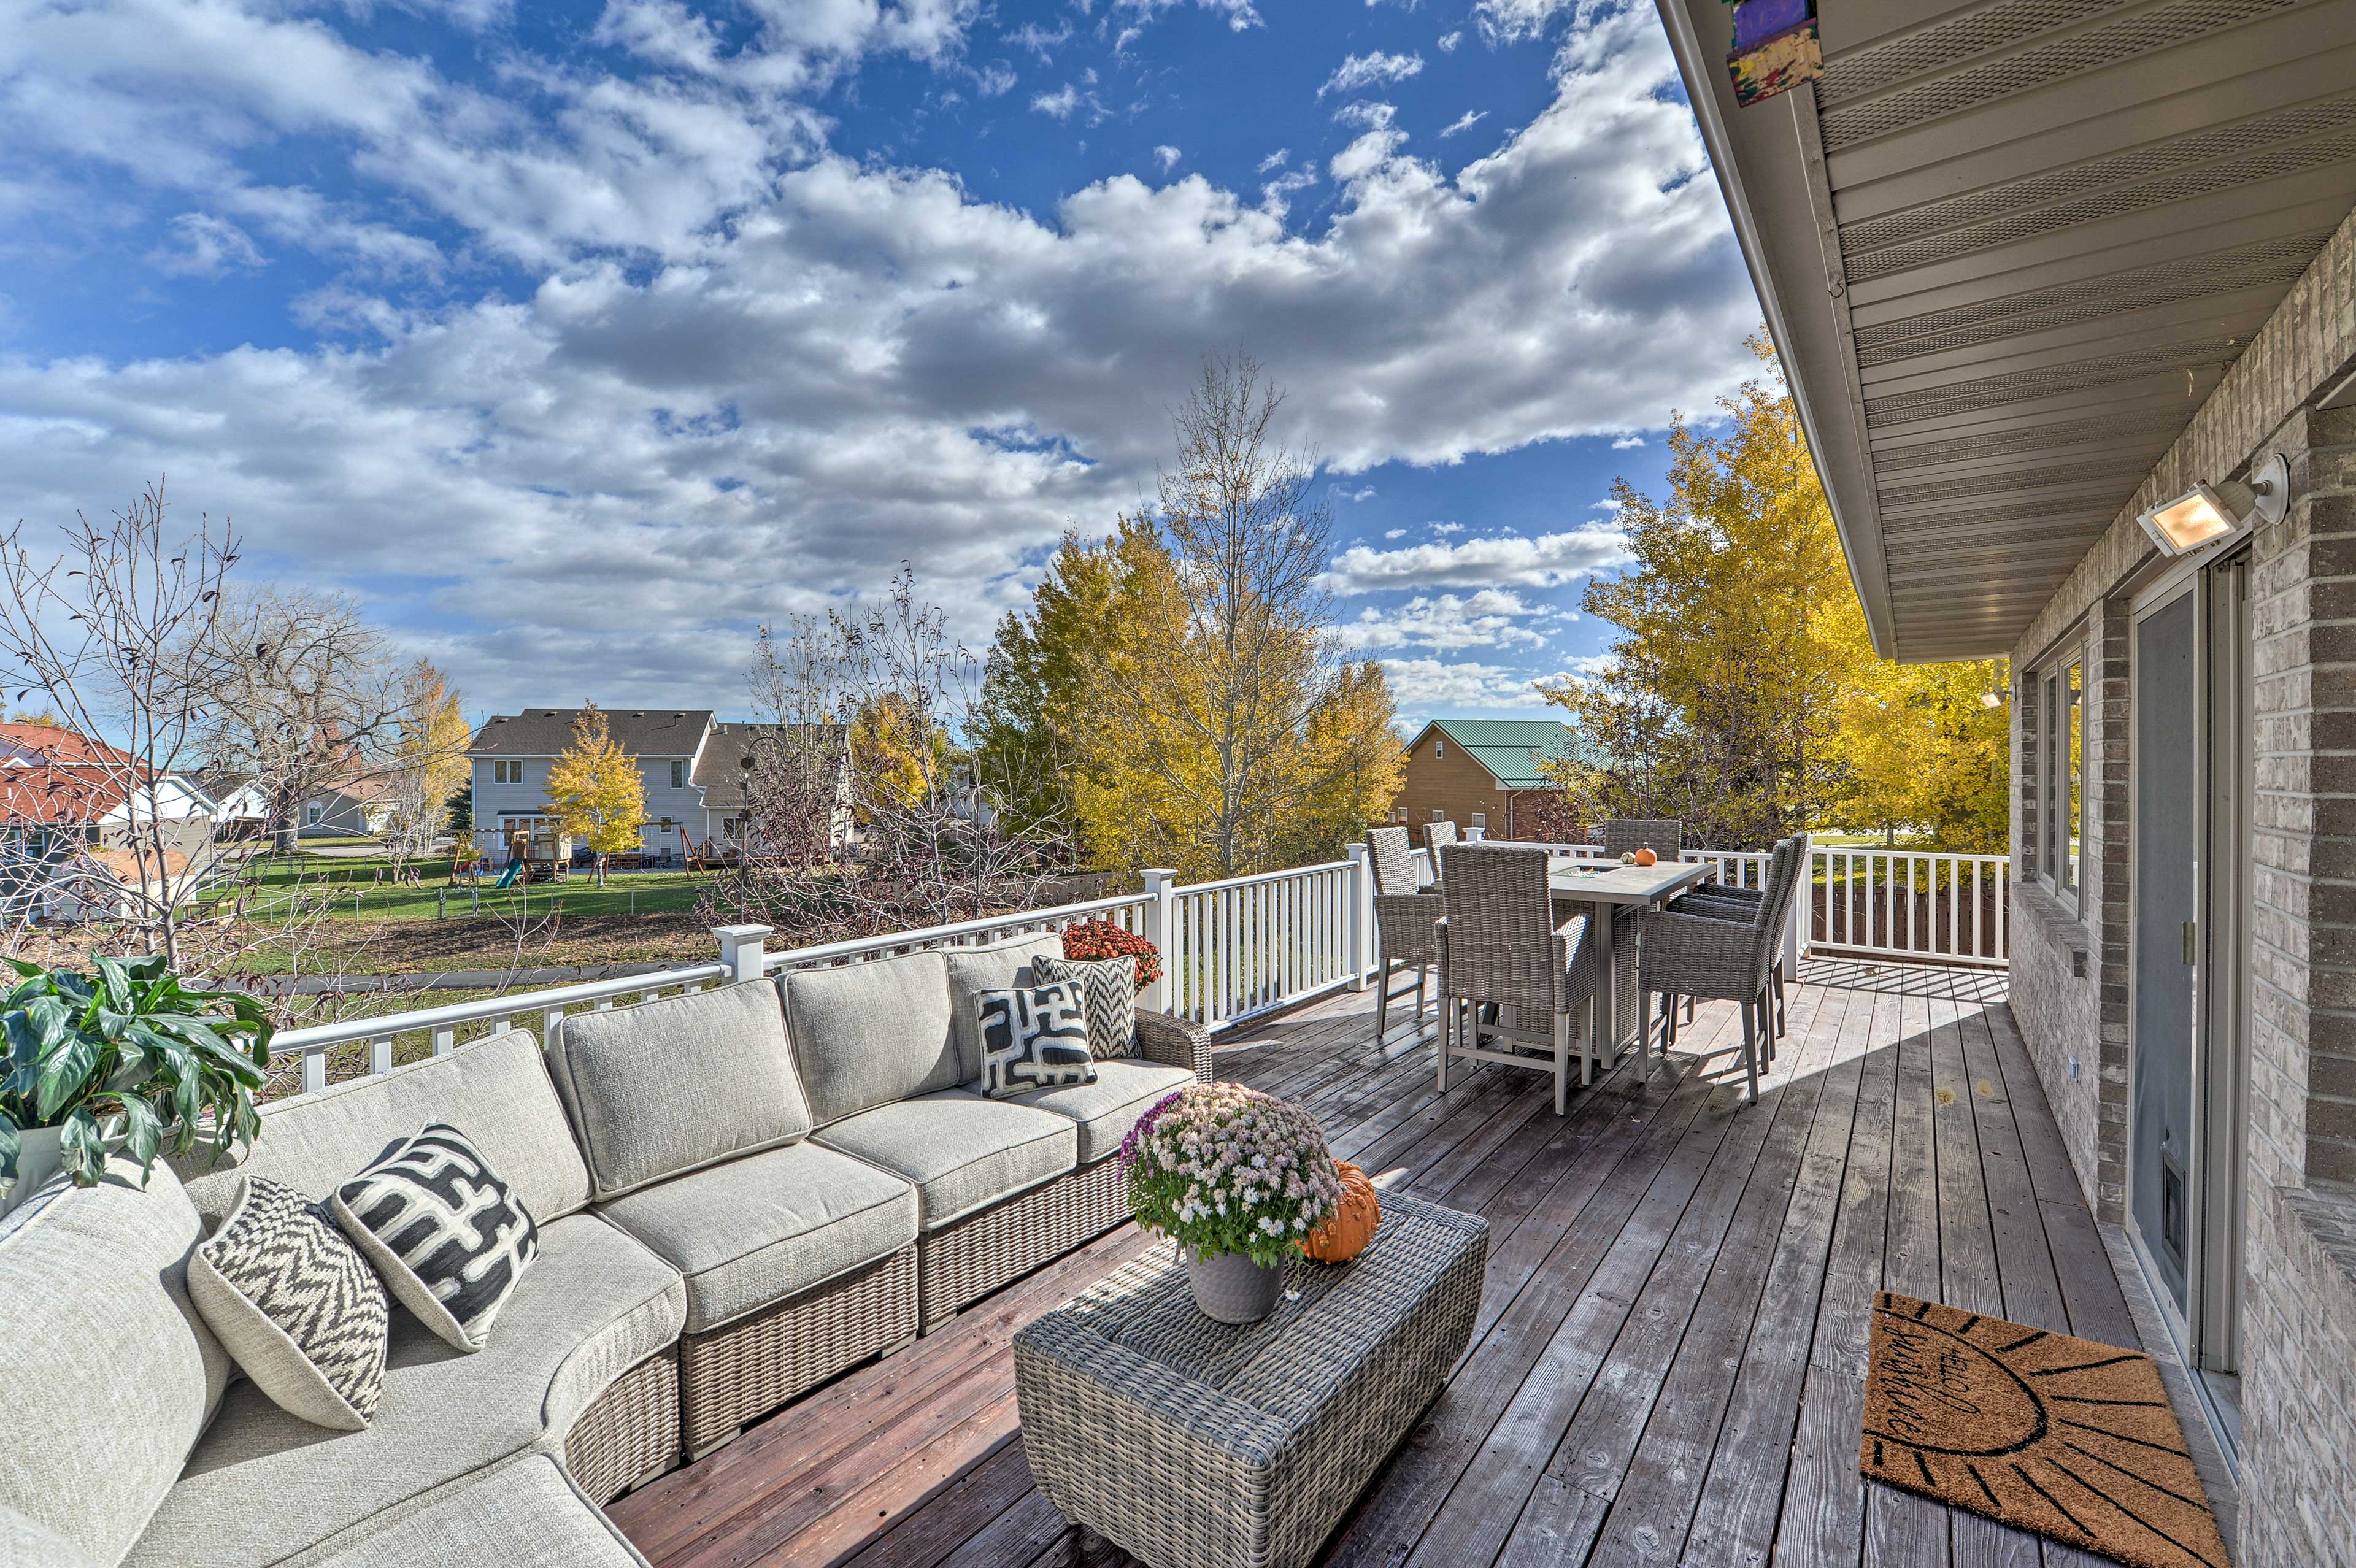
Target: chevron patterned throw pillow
pixel 1108 995
pixel 296 1304
pixel 450 1238
pixel 1034 1038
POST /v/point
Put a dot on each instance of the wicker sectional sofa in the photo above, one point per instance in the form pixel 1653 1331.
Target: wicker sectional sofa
pixel 739 1192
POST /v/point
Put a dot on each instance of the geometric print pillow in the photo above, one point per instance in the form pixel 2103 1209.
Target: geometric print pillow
pixel 450 1238
pixel 1034 1038
pixel 296 1304
pixel 1108 995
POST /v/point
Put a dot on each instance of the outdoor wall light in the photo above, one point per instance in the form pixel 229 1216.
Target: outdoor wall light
pixel 2210 512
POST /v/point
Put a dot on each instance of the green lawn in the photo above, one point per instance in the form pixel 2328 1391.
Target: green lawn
pixel 362 890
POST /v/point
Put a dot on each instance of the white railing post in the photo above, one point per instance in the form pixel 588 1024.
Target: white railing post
pixel 1160 903
pixel 1362 916
pixel 1802 915
pixel 1474 835
pixel 740 949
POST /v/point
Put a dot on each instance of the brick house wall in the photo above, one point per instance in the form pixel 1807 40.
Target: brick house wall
pixel 2070 969
pixel 1442 776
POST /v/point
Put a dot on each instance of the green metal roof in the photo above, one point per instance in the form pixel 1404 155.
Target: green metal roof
pixel 1512 749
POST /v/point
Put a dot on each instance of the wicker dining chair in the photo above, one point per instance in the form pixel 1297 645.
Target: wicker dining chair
pixel 1712 958
pixel 1727 900
pixel 1437 836
pixel 1405 917
pixel 1627 835
pixel 1503 962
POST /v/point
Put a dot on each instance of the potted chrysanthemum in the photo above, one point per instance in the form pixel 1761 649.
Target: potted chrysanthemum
pixel 1238 1180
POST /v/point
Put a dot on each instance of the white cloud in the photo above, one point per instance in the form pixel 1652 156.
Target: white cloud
pixel 1444 530
pixel 994 79
pixel 1448 41
pixel 1508 560
pixel 1346 493
pixel 1393 533
pixel 1439 686
pixel 1365 71
pixel 1365 115
pixel 203 246
pixel 1167 156
pixel 1058 104
pixel 1275 159
pixel 725 373
pixel 1489 619
pixel 1623 443
pixel 1464 122
pixel 1039 41
pixel 1514 21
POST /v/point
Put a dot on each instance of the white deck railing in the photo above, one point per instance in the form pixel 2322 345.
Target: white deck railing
pixel 1236 949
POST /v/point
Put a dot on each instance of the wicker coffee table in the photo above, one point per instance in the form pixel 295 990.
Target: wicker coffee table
pixel 1192 1444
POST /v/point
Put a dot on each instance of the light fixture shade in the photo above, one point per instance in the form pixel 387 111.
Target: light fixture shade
pixel 2207 512
pixel 2189 521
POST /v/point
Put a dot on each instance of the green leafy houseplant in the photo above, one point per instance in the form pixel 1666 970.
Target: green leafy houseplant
pixel 120 1058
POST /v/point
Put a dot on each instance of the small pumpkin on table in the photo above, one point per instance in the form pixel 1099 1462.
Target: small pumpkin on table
pixel 1346 1232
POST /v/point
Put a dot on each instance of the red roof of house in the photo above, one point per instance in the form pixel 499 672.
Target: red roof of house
pixel 39 792
pixel 57 745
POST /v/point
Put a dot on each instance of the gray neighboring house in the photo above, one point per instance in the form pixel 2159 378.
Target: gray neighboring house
pixel 691 766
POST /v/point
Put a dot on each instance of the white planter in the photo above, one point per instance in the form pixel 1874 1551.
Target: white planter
pixel 40 1155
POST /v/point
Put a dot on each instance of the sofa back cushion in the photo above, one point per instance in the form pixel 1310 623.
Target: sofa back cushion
pixel 495 1090
pixel 1000 967
pixel 868 1034
pixel 677 1084
pixel 110 1374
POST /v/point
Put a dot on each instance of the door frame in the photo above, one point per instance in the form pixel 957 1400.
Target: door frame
pixel 2205 1331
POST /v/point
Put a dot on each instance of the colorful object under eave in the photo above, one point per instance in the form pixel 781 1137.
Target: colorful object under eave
pixel 1778 61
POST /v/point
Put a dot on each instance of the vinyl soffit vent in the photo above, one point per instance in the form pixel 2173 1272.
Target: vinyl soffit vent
pixel 1877 66
pixel 2039 438
pixel 1898 408
pixel 2040 66
pixel 2121 168
pixel 2268 261
pixel 2076 475
pixel 2279 163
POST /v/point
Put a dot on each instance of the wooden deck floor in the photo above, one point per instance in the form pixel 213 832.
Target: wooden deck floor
pixel 1669 1359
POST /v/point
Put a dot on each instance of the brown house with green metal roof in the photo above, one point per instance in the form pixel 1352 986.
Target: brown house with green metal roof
pixel 1477 771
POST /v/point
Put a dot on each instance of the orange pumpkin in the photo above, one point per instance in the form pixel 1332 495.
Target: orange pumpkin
pixel 1645 856
pixel 1346 1234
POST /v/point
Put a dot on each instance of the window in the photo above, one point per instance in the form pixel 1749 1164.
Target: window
pixel 1480 820
pixel 507 772
pixel 1438 746
pixel 2059 773
pixel 312 812
pixel 1437 815
pixel 1398 813
pixel 679 775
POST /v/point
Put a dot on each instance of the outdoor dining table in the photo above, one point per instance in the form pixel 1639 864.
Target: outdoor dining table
pixel 1607 888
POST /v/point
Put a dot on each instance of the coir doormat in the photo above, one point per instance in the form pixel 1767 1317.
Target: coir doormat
pixel 2067 1437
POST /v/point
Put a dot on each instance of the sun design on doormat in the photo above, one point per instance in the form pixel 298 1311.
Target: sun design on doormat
pixel 2065 1436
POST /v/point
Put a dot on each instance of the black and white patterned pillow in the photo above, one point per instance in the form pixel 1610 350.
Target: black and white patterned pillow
pixel 1034 1038
pixel 296 1305
pixel 450 1238
pixel 1108 995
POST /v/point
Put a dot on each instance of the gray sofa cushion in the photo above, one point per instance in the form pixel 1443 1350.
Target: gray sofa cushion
pixel 757 1230
pixel 110 1378
pixel 963 1152
pixel 262 1486
pixel 674 1085
pixel 868 1034
pixel 1109 1107
pixel 34 1545
pixel 495 1090
pixel 1000 967
pixel 528 1514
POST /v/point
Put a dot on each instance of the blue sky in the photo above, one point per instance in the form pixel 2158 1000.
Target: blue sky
pixel 577 341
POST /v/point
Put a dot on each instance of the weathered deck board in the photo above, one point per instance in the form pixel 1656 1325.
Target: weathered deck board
pixel 1669 1358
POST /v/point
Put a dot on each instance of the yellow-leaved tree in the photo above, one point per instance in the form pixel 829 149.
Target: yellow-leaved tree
pixel 1217 732
pixel 429 759
pixel 595 790
pixel 1927 746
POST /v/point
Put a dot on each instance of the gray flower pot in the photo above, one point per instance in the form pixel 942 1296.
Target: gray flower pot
pixel 40 1154
pixel 1231 1288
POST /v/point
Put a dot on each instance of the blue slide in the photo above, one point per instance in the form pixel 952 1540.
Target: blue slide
pixel 507 876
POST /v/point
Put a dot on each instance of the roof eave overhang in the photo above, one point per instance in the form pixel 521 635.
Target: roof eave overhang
pixel 1770 164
